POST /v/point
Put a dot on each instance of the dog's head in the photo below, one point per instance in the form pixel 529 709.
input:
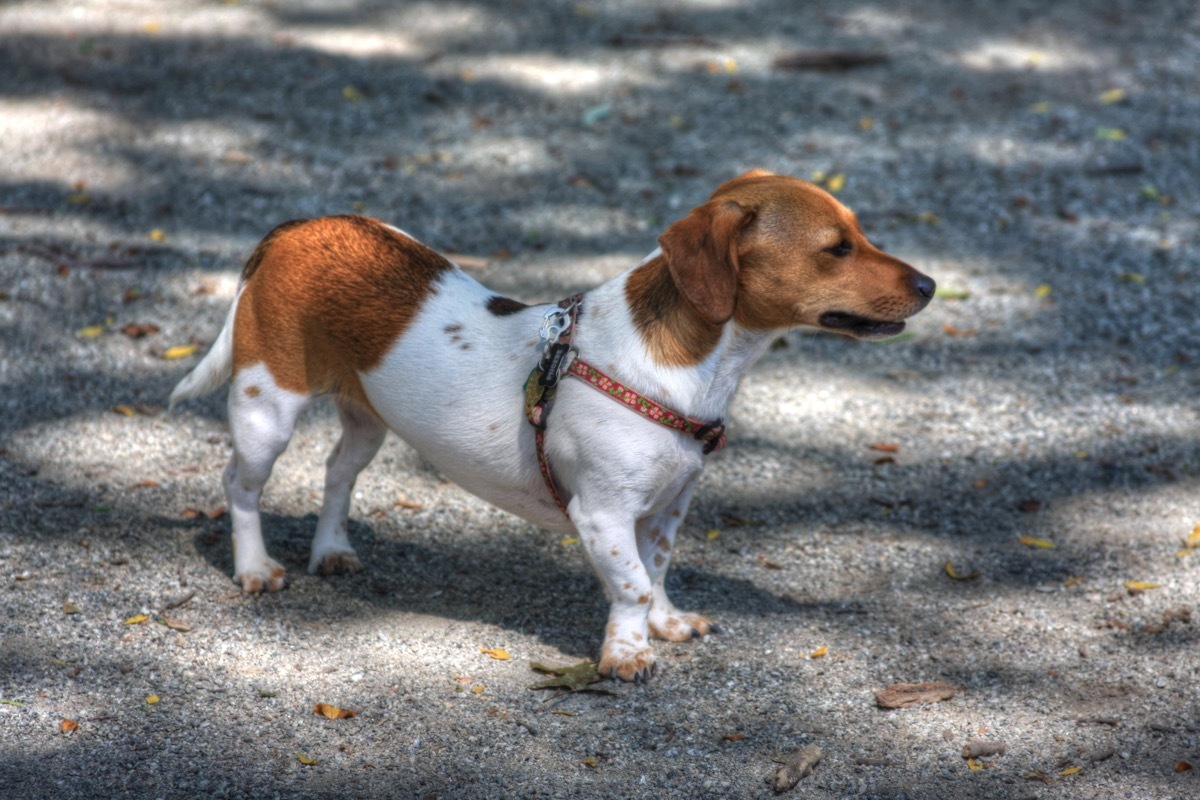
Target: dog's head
pixel 773 252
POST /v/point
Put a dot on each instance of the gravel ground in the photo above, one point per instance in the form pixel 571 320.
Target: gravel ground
pixel 1038 159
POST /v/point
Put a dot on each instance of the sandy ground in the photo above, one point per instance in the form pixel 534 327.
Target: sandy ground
pixel 1038 159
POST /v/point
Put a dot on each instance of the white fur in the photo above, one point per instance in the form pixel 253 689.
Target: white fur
pixel 216 366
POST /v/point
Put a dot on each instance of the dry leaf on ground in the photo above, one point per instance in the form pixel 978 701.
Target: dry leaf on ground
pixel 498 653
pixel 333 712
pixel 179 351
pixel 825 60
pixel 1035 542
pixel 958 576
pixel 576 678
pixel 796 766
pixel 906 695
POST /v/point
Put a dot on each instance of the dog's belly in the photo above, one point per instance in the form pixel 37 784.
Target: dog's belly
pixel 452 387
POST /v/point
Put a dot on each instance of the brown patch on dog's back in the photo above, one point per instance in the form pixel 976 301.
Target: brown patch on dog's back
pixel 504 306
pixel 325 299
pixel 253 391
pixel 673 333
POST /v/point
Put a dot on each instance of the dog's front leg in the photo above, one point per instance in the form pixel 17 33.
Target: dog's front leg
pixel 655 541
pixel 611 546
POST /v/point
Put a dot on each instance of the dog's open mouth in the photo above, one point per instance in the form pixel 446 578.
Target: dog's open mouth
pixel 861 327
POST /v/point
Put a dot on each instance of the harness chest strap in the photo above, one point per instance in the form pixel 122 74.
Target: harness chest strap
pixel 538 403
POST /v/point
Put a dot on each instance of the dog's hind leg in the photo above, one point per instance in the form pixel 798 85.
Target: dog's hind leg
pixel 261 419
pixel 362 435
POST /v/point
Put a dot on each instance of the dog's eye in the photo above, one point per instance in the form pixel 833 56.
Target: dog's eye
pixel 841 249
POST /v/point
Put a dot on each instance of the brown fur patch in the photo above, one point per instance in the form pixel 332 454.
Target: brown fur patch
pixel 325 299
pixel 673 333
pixel 777 252
pixel 504 306
pixel 253 391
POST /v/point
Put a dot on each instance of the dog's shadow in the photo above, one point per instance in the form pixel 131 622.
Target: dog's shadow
pixel 525 581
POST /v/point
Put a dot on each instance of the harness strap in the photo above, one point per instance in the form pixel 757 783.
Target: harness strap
pixel 542 383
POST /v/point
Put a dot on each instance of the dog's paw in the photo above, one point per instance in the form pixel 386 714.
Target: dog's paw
pixel 678 626
pixel 622 660
pixel 344 562
pixel 270 576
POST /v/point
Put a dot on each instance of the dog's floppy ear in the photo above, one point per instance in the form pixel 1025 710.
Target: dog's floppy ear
pixel 702 254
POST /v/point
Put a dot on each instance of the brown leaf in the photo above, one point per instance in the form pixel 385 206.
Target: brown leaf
pixel 409 504
pixel 178 601
pixel 333 712
pixel 174 624
pixel 767 563
pixel 827 60
pixel 70 726
pixel 734 737
pixel 886 447
pixel 950 330
pixel 906 695
pixel 1182 766
pixel 1029 506
pixel 138 330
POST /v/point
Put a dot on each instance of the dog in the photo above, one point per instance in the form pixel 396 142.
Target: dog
pixel 403 339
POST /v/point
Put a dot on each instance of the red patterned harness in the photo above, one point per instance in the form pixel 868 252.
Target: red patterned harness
pixel 543 381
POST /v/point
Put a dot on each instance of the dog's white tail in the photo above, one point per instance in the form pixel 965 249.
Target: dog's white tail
pixel 214 369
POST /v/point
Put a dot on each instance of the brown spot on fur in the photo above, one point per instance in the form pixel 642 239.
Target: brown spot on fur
pixel 658 559
pixel 615 552
pixel 676 513
pixel 637 637
pixel 465 346
pixel 253 391
pixel 504 306
pixel 455 328
pixel 627 586
pixel 672 331
pixel 324 299
pixel 643 599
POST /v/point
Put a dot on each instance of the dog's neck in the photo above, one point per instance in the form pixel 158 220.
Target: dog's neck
pixel 672 355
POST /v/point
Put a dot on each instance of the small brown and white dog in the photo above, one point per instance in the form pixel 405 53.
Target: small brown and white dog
pixel 403 339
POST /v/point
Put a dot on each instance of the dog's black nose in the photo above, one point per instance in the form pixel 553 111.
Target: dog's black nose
pixel 925 286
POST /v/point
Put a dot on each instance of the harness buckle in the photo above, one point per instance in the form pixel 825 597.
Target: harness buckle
pixel 555 323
